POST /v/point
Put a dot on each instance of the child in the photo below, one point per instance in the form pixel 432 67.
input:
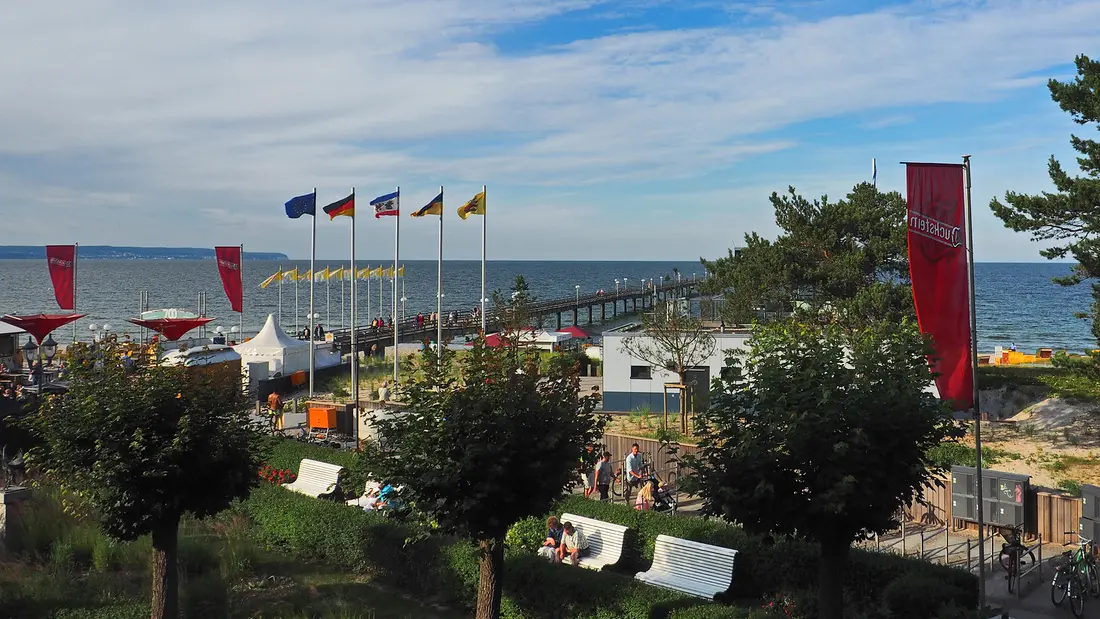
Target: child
pixel 645 498
pixel 604 475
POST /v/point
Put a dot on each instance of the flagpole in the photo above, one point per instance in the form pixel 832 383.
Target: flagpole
pixel 280 296
pixel 484 216
pixel 328 299
pixel 240 273
pixel 76 260
pixel 439 290
pixel 309 325
pixel 396 275
pixel 297 331
pixel 354 324
pixel 343 311
pixel 368 292
pixel 975 392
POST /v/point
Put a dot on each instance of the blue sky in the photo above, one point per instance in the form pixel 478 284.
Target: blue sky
pixel 628 129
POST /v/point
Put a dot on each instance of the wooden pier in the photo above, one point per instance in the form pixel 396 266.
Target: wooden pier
pixel 591 309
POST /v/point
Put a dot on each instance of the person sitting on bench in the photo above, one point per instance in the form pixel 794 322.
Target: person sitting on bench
pixel 573 544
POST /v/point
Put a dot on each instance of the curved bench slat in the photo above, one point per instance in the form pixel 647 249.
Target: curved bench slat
pixel 315 478
pixel 691 567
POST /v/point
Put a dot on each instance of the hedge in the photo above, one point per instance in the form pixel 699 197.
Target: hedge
pixel 763 569
pixel 446 569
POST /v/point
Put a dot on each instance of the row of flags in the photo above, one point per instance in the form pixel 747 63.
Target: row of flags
pixel 329 274
pixel 388 204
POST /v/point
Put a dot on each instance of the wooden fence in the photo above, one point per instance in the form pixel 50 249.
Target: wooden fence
pixel 619 445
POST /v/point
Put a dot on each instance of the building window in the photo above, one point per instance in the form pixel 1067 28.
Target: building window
pixel 641 372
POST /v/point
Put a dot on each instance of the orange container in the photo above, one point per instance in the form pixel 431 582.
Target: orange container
pixel 297 379
pixel 322 418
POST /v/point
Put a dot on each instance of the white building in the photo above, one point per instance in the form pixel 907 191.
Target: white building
pixel 630 383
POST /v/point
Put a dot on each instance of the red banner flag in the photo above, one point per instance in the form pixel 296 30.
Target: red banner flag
pixel 62 262
pixel 229 266
pixel 938 269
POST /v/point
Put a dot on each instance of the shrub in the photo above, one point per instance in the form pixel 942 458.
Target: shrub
pixel 718 611
pixel 762 567
pixel 918 596
pixel 526 535
pixel 121 610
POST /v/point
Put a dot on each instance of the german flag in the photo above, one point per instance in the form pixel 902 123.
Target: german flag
pixel 341 207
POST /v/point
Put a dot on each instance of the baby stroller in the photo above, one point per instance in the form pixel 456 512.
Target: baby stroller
pixel 664 499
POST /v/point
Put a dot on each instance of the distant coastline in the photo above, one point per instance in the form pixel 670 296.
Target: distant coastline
pixel 109 252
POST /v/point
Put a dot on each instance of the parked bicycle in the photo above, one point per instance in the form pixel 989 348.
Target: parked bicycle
pixel 1076 578
pixel 1014 554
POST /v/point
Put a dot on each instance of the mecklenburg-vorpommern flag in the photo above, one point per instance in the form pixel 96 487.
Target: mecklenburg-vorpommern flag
pixel 302 205
pixel 387 204
pixel 476 206
pixel 435 207
pixel 345 206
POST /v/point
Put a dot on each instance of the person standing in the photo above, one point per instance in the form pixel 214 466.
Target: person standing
pixel 604 475
pixel 588 469
pixel 275 409
pixel 634 467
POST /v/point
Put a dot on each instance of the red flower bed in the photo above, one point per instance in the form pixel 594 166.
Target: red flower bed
pixel 276 476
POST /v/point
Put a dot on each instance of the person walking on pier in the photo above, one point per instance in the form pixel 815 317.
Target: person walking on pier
pixel 420 320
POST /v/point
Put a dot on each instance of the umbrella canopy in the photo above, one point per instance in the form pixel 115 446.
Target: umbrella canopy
pixel 575 331
pixel 40 325
pixel 171 328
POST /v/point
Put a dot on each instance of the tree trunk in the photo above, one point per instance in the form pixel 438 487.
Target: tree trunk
pixel 830 594
pixel 491 560
pixel 683 401
pixel 165 571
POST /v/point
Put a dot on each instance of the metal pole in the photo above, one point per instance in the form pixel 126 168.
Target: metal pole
pixel 76 261
pixel 439 291
pixel 280 296
pixel 484 216
pixel 396 275
pixel 328 297
pixel 240 273
pixel 312 260
pixel 974 369
pixel 354 323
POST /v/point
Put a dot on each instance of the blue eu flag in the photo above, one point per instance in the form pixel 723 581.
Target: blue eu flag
pixel 302 205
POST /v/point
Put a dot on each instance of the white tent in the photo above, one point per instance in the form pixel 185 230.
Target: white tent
pixel 283 354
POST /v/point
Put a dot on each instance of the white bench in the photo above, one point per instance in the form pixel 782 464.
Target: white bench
pixel 315 478
pixel 697 569
pixel 605 540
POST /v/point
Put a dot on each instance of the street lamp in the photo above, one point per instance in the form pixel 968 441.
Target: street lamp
pixel 93 328
pixel 29 351
pixel 49 348
pixel 616 287
pixel 234 330
pixel 403 300
pixel 578 289
pixel 106 328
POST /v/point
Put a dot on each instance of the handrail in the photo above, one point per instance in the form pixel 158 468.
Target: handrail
pixel 1036 565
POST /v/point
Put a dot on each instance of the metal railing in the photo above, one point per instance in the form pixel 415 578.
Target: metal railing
pixel 1037 549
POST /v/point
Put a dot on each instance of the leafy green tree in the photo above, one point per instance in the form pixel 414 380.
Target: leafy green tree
pixel 1071 215
pixel 146 444
pixel 845 261
pixel 674 341
pixel 822 432
pixel 502 444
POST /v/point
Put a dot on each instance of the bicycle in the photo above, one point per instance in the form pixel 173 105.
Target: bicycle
pixel 1014 554
pixel 1071 577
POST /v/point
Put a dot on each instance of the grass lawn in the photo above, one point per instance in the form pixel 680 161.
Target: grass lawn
pixel 67 569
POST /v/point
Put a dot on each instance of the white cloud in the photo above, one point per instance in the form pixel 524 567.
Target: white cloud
pixel 237 106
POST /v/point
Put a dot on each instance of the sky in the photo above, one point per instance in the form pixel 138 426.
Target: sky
pixel 604 130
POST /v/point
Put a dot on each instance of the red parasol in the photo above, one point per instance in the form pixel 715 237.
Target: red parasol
pixel 171 328
pixel 40 325
pixel 575 331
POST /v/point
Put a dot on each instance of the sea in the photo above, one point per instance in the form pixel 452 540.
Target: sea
pixel 1017 303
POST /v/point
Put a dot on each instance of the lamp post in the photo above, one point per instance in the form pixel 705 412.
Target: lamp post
pixel 93 328
pixel 106 329
pixel 234 330
pixel 616 287
pixel 403 300
pixel 577 288
pixel 29 351
pixel 49 348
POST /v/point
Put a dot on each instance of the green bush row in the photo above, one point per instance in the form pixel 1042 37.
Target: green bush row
pixel 764 568
pixel 446 570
